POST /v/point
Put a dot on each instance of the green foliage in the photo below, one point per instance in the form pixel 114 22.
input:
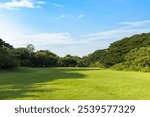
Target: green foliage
pixel 24 56
pixel 42 58
pixel 119 53
pixel 96 56
pixel 68 61
pixel 30 48
pixel 97 64
pixel 137 53
pixel 118 50
pixel 137 59
pixel 84 62
pixel 7 58
pixel 3 43
pixel 45 58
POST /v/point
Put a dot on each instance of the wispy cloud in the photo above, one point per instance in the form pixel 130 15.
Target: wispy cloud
pixel 15 4
pixel 57 5
pixel 115 34
pixel 39 40
pixel 136 24
pixel 61 16
pixel 80 16
pixel 128 29
pixel 60 43
pixel 68 16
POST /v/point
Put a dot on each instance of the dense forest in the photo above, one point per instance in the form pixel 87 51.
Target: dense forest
pixel 130 53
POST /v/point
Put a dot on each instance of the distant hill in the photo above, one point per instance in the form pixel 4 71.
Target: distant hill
pixel 118 50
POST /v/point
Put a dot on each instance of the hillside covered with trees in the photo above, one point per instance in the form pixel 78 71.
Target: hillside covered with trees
pixel 130 53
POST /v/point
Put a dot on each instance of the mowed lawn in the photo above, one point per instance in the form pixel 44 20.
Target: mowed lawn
pixel 73 83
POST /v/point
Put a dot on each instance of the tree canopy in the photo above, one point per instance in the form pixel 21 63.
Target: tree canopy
pixel 117 51
pixel 7 56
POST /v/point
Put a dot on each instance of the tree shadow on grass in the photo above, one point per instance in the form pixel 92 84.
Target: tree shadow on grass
pixel 20 83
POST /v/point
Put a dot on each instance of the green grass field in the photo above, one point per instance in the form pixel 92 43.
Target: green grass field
pixel 73 83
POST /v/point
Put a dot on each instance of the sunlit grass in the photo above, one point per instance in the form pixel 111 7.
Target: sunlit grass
pixel 73 83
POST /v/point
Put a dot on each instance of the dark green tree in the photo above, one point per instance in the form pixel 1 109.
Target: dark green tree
pixel 7 56
pixel 45 58
pixel 68 61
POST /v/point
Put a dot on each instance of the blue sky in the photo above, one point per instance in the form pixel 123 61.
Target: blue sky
pixel 76 27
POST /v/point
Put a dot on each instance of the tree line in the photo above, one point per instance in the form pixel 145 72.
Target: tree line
pixel 11 57
pixel 130 53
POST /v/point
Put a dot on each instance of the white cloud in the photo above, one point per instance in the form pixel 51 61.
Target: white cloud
pixel 14 4
pixel 39 40
pixel 74 17
pixel 128 29
pixel 136 24
pixel 61 16
pixel 57 5
pixel 114 34
pixel 41 2
pixel 80 16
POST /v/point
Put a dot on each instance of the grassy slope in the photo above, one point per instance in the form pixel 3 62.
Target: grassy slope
pixel 73 83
